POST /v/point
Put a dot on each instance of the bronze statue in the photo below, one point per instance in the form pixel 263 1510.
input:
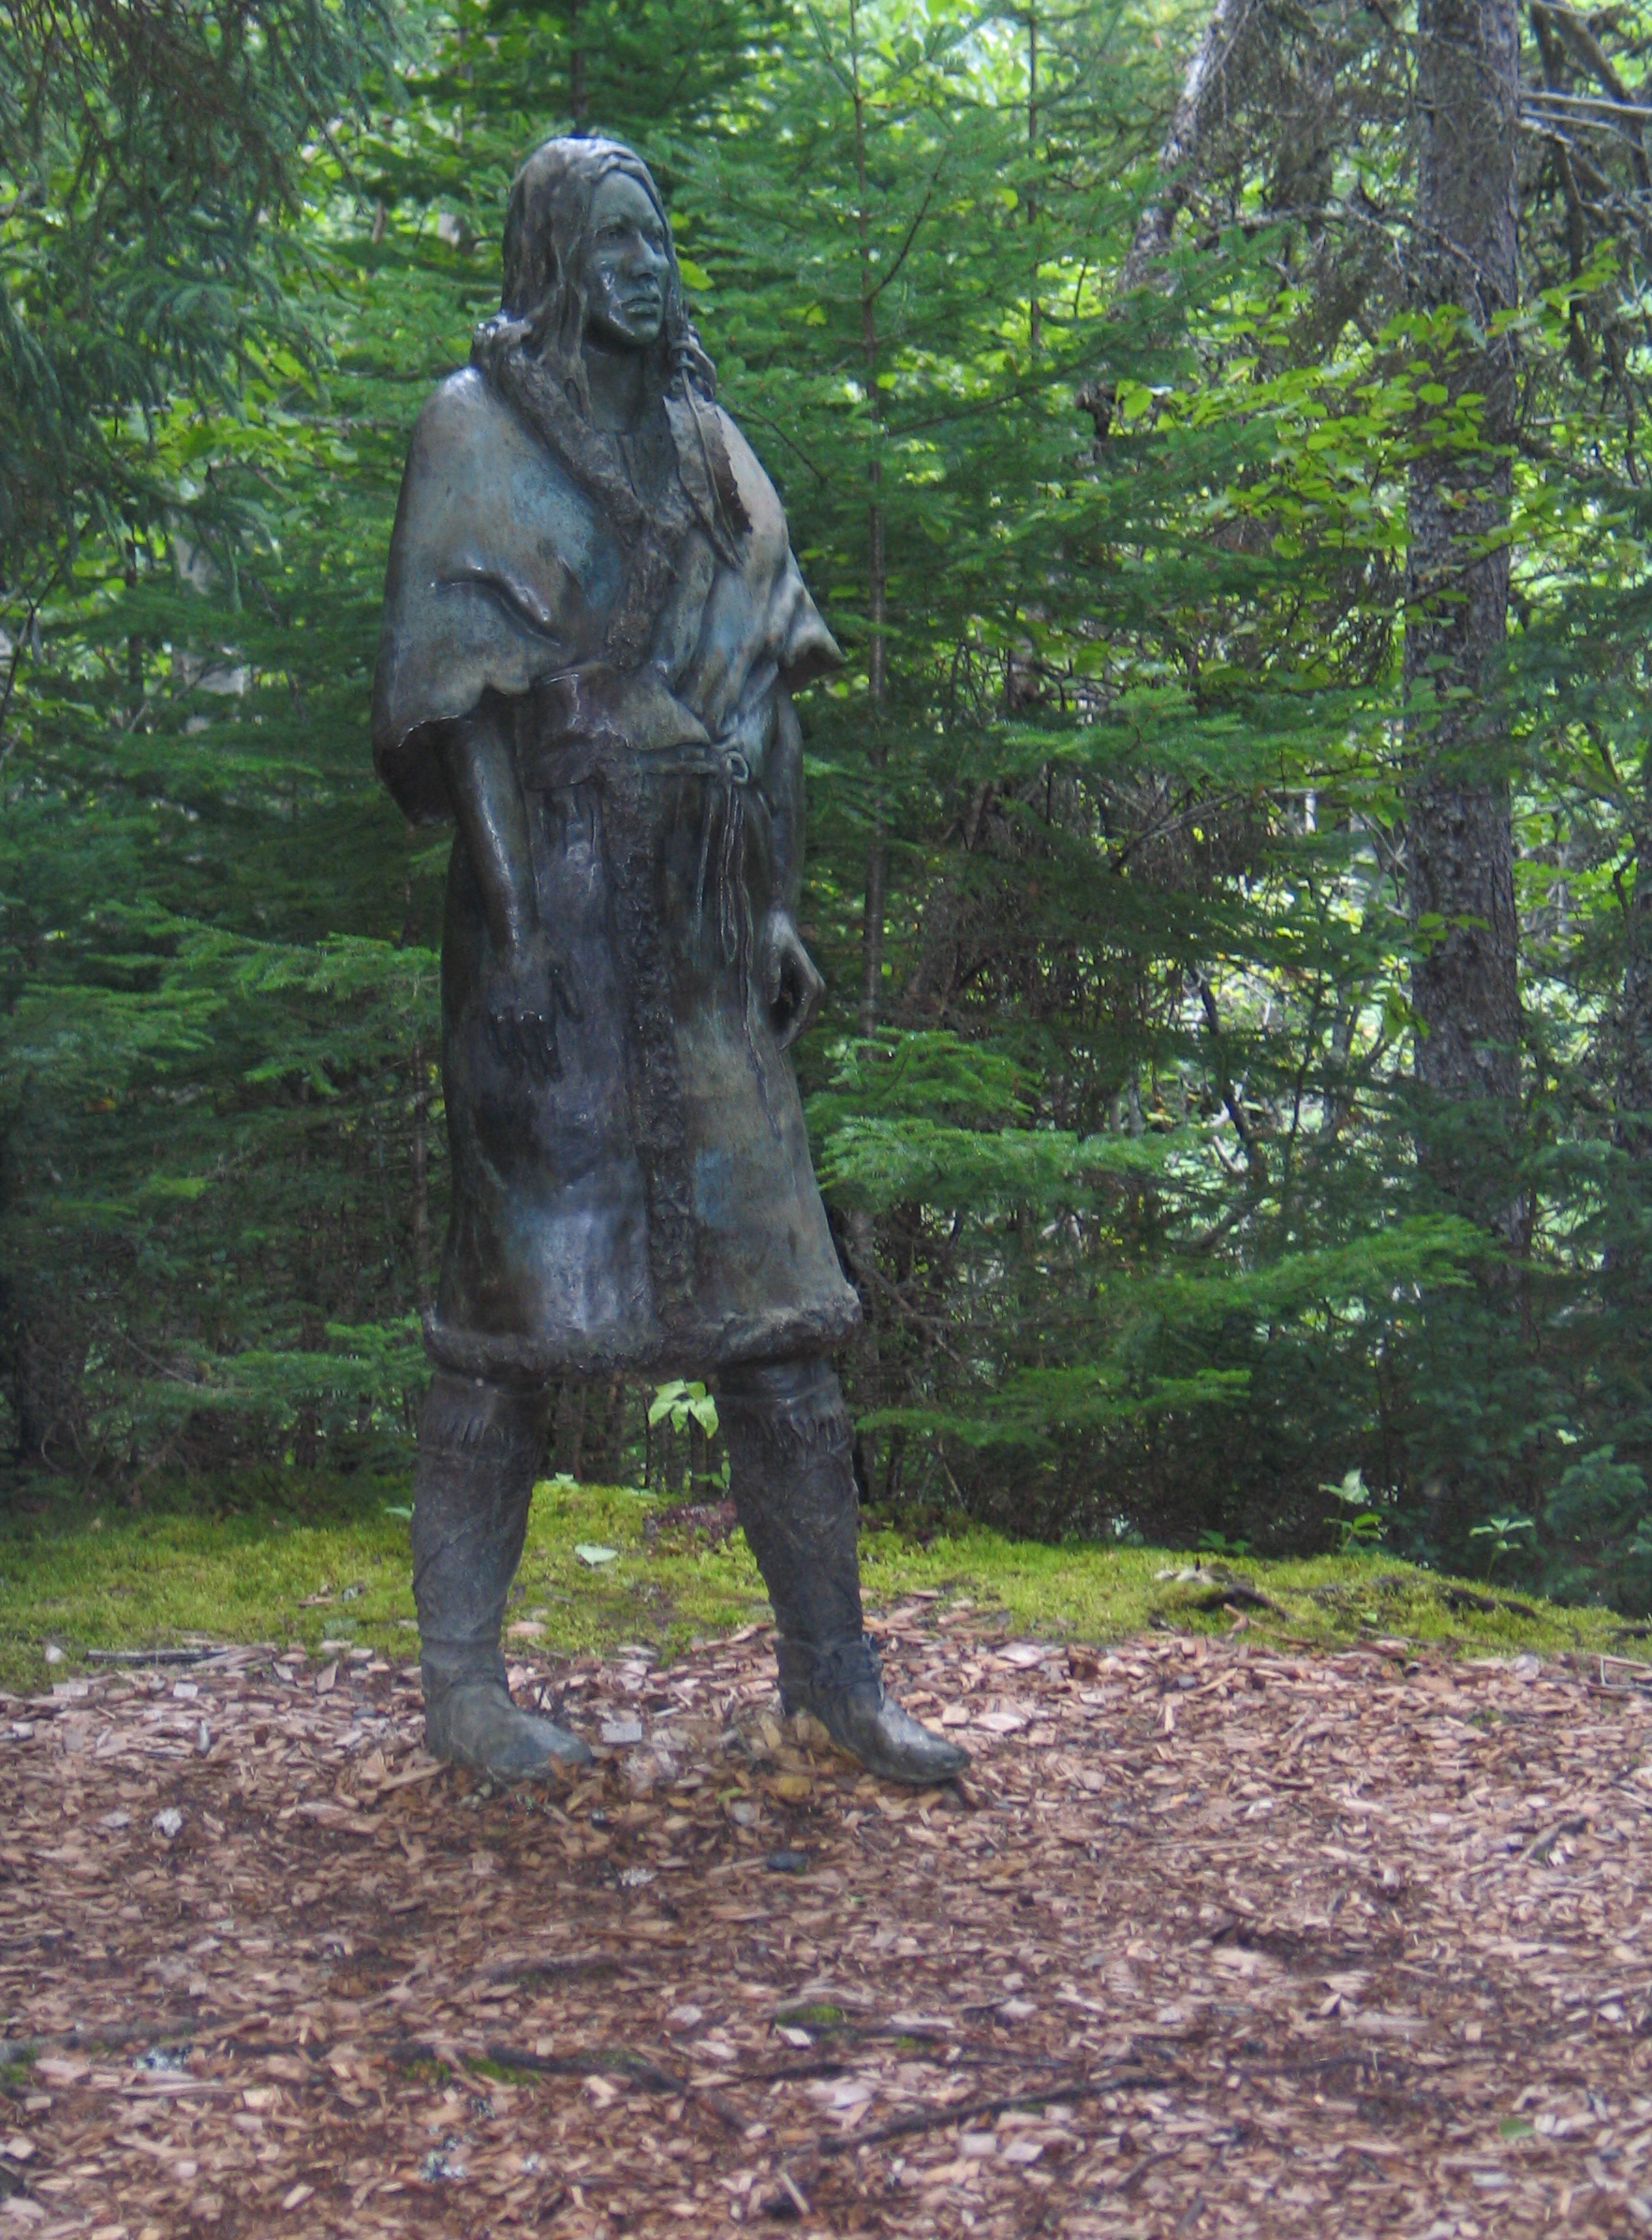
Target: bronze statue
pixel 593 628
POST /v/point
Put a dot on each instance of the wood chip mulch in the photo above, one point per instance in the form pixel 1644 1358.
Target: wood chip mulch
pixel 1216 1940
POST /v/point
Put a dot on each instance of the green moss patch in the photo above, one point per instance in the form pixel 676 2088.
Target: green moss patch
pixel 73 1585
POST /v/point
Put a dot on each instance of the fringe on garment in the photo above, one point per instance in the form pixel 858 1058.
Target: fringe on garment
pixel 696 1345
pixel 809 1427
pixel 654 1074
pixel 703 492
pixel 469 1423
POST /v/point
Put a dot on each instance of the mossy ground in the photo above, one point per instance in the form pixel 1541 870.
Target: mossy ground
pixel 339 1573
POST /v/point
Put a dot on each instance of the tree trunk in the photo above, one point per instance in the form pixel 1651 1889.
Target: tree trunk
pixel 1465 985
pixel 1632 1128
pixel 43 1375
pixel 578 100
pixel 1208 94
pixel 419 1160
pixel 306 1431
pixel 873 911
pixel 614 1432
pixel 1034 317
pixel 1205 96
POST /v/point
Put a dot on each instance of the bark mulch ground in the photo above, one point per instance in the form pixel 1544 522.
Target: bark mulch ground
pixel 1216 1941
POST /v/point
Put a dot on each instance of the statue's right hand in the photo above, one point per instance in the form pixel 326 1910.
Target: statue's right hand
pixel 524 992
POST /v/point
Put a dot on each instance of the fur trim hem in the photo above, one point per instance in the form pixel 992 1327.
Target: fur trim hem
pixel 689 1348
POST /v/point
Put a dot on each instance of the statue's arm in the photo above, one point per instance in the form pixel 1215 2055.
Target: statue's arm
pixel 478 763
pixel 526 989
pixel 791 983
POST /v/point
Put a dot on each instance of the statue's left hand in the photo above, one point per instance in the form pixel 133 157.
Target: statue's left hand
pixel 792 987
pixel 526 990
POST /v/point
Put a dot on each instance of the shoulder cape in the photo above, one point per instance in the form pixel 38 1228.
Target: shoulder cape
pixel 502 573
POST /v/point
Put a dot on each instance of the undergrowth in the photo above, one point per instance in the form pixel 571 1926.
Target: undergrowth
pixel 604 1566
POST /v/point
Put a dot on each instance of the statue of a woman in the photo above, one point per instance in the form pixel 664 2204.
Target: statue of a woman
pixel 593 628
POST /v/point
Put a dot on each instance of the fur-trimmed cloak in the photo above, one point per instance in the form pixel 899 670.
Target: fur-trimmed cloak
pixel 653 1206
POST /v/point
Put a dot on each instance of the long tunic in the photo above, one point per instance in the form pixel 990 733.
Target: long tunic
pixel 653 1206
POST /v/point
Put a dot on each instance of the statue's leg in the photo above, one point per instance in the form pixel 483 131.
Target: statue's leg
pixel 479 1445
pixel 787 1436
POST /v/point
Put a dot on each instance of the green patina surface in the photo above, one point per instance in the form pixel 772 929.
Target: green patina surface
pixel 116 1581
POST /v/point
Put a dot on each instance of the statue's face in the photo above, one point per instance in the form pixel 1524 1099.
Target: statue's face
pixel 627 261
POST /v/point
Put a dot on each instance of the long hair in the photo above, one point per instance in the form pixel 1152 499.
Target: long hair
pixel 543 308
pixel 532 349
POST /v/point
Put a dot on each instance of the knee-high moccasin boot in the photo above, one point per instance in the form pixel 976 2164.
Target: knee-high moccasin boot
pixel 787 1436
pixel 478 1447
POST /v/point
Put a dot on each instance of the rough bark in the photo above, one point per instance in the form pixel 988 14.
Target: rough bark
pixel 43 1375
pixel 613 1432
pixel 1633 1122
pixel 1464 985
pixel 874 909
pixel 419 1160
pixel 1205 97
pixel 578 100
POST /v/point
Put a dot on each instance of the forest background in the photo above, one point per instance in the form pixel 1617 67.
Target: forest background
pixel 1218 442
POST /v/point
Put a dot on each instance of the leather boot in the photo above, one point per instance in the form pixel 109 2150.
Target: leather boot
pixel 787 1436
pixel 479 1445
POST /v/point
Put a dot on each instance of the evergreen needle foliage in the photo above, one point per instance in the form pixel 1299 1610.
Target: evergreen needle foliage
pixel 1106 470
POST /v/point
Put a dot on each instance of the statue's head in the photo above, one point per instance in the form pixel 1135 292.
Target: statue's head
pixel 588 257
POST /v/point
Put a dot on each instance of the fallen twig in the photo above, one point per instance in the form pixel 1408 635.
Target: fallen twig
pixel 142 1657
pixel 553 1969
pixel 606 2063
pixel 1236 1597
pixel 83 2037
pixel 936 2119
pixel 1464 1598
